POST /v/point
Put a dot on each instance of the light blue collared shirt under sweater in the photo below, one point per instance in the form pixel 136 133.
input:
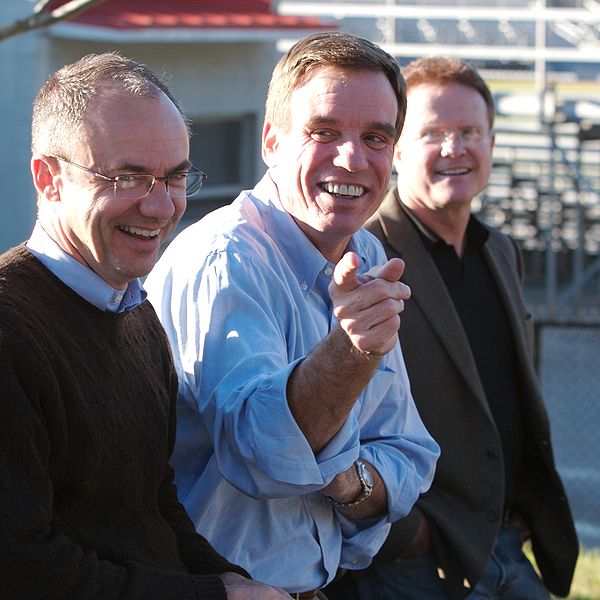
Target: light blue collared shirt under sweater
pixel 80 278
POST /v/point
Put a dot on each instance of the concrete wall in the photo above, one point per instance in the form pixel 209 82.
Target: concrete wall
pixel 19 77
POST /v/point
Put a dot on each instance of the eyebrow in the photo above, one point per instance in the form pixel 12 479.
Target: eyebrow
pixel 382 127
pixel 134 168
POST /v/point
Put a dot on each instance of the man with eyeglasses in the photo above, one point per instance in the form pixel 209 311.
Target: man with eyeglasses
pixel 88 508
pixel 467 340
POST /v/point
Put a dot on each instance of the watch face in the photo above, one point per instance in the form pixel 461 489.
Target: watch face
pixel 366 484
pixel 364 474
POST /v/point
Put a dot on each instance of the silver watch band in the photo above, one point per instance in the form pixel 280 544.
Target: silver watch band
pixel 366 483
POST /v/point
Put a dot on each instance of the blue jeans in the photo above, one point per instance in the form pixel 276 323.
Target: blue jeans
pixel 507 576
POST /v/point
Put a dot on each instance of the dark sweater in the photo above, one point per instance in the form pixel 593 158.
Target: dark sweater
pixel 87 422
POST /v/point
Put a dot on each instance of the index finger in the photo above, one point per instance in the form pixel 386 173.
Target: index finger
pixel 391 271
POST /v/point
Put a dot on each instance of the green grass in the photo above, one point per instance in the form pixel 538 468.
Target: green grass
pixel 586 583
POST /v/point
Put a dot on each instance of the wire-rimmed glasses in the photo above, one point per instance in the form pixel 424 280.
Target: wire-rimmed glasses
pixel 136 186
pixel 469 137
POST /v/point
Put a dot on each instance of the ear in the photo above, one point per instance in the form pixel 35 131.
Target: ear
pixel 270 144
pixel 44 172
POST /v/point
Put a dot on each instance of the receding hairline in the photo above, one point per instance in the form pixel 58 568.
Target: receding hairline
pixel 64 100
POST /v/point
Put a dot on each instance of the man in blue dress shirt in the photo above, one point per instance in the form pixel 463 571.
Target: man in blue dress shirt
pixel 298 440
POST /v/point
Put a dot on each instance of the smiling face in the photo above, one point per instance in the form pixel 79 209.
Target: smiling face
pixel 118 239
pixel 441 177
pixel 332 165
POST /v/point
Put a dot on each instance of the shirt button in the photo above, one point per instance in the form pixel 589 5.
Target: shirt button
pixel 328 271
pixel 303 286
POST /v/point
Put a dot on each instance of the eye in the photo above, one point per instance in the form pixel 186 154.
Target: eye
pixel 178 179
pixel 377 141
pixel 127 178
pixel 323 135
pixel 471 134
pixel 131 180
pixel 433 136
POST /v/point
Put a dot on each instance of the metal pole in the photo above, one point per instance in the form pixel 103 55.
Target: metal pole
pixel 540 56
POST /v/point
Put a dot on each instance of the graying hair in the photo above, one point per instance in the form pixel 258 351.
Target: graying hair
pixel 60 107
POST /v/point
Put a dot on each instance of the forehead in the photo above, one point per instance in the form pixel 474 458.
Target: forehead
pixel 111 111
pixel 335 91
pixel 121 127
pixel 448 104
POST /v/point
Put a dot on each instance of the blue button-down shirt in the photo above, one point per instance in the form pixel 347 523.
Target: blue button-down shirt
pixel 80 278
pixel 243 297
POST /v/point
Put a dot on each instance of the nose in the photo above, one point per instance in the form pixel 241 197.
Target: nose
pixel 452 145
pixel 350 155
pixel 158 204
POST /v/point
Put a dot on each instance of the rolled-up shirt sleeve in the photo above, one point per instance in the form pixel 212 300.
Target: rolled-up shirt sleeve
pixel 242 306
pixel 236 347
pixel 237 343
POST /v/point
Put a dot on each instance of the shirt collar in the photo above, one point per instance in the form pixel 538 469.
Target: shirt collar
pixel 300 253
pixel 476 234
pixel 80 278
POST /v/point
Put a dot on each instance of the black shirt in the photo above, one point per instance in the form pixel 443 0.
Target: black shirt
pixel 484 319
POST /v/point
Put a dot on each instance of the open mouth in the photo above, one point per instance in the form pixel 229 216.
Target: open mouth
pixel 139 232
pixel 343 190
pixel 457 171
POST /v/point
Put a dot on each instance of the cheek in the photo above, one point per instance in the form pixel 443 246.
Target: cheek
pixel 382 164
pixel 486 163
pixel 180 206
pixel 80 217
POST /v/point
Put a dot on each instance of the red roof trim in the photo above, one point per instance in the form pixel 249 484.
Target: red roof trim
pixel 191 14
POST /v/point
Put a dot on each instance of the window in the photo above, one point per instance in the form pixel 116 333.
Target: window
pixel 226 150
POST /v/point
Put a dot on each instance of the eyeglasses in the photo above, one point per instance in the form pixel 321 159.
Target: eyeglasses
pixel 136 186
pixel 467 136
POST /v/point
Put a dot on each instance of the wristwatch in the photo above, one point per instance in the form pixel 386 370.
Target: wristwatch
pixel 366 484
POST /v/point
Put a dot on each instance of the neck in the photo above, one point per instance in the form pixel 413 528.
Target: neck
pixel 331 247
pixel 450 225
pixel 62 240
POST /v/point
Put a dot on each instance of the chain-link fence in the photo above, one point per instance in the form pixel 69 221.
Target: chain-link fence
pixel 569 364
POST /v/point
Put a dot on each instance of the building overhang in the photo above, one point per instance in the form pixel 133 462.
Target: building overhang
pixel 184 21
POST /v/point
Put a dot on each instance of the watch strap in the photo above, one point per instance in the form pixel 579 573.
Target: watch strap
pixel 366 483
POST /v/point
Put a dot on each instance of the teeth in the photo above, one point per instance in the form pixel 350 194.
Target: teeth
pixel 140 231
pixel 454 171
pixel 343 189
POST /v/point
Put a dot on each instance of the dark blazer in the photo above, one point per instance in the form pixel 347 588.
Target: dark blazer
pixel 464 506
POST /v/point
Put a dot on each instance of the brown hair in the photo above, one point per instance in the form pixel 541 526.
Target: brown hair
pixel 60 106
pixel 442 69
pixel 330 48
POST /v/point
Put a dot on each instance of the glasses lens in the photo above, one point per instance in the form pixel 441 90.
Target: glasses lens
pixel 136 186
pixel 194 180
pixel 133 187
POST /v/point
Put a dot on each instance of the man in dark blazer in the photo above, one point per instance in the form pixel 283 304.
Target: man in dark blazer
pixel 467 339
